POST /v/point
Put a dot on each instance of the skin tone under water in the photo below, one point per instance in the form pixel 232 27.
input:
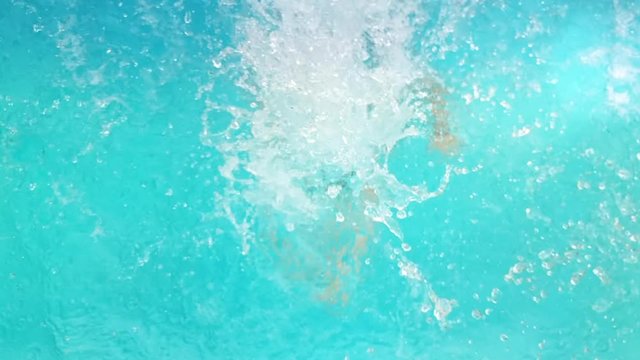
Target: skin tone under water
pixel 348 231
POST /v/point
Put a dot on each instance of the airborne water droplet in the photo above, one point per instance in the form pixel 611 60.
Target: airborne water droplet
pixel 425 308
pixel 476 314
pixel 583 185
pixel 624 174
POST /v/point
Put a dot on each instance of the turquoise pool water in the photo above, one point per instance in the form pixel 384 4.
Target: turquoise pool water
pixel 262 180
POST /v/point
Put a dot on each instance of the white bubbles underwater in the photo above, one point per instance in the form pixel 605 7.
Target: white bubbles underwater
pixel 319 179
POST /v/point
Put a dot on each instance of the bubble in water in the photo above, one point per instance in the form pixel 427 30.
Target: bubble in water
pixel 583 185
pixel 599 272
pixel 339 217
pixel 476 314
pixel 576 278
pixel 333 190
pixel 521 132
pixel 624 174
pixel 425 308
pixel 495 293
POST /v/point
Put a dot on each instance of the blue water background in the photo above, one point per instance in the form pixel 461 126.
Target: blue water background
pixel 109 248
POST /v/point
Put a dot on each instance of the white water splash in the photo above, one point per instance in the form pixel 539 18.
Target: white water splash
pixel 334 89
pixel 330 89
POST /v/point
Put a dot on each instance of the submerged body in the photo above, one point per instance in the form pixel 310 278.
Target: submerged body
pixel 330 252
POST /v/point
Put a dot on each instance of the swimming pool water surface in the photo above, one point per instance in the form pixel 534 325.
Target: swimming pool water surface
pixel 245 179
